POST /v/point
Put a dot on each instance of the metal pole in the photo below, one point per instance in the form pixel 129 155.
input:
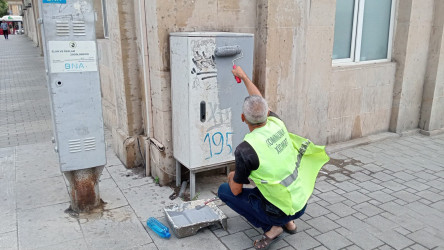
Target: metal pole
pixel 84 188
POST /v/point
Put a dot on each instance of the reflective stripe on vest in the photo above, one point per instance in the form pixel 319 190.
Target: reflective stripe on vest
pixel 291 178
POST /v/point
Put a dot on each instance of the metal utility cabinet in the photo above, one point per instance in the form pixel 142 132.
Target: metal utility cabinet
pixel 73 82
pixel 206 99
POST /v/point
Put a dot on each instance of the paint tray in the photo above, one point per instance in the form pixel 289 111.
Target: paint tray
pixel 185 219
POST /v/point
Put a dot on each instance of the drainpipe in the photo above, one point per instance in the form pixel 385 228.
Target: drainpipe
pixel 146 81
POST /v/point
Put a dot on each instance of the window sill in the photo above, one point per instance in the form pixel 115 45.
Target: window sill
pixel 359 64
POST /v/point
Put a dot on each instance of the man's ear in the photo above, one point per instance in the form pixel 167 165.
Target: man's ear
pixel 268 114
pixel 243 117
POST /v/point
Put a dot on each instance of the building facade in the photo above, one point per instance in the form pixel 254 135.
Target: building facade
pixel 15 7
pixel 333 70
pixel 30 13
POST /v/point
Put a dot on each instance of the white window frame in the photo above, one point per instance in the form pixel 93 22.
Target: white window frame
pixel 355 48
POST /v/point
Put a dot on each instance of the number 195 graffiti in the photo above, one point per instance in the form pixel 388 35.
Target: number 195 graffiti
pixel 217 139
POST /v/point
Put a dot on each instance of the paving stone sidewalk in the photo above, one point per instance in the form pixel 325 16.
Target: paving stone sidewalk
pixel 24 99
pixel 383 195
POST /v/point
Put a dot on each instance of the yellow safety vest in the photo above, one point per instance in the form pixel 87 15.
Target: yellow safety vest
pixel 288 165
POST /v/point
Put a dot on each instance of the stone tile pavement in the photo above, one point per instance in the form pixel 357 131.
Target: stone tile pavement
pixel 383 195
pixel 24 99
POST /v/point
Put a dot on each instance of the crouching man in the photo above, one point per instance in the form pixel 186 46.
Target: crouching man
pixel 283 166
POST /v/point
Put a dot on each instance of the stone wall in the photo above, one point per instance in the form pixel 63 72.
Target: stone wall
pixel 30 23
pixel 432 109
pixel 120 81
pixel 299 72
pixel 14 7
pixel 107 83
pixel 163 17
pixel 360 101
pixel 293 69
pixel 410 52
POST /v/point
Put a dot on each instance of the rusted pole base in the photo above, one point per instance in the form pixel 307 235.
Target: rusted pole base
pixel 84 188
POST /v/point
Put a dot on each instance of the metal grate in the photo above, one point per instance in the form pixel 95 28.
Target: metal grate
pixel 79 28
pixel 75 146
pixel 62 28
pixel 89 144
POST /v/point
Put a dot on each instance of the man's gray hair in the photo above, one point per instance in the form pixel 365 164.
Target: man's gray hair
pixel 255 109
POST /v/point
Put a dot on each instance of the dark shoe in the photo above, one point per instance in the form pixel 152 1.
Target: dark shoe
pixel 290 231
pixel 265 242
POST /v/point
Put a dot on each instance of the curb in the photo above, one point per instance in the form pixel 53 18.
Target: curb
pixel 336 147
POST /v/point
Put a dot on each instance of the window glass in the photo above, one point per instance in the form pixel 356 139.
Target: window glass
pixel 375 29
pixel 343 29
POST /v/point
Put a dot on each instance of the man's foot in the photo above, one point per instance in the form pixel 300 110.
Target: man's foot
pixel 290 227
pixel 268 238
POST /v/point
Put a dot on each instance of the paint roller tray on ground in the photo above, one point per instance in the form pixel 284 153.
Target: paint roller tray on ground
pixel 189 217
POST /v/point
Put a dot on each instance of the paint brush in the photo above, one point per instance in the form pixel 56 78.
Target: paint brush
pixel 206 202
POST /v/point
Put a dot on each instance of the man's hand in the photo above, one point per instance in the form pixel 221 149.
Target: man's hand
pixel 239 72
pixel 236 188
pixel 251 88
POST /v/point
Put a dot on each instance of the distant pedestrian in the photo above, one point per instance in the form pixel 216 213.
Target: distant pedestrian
pixel 5 27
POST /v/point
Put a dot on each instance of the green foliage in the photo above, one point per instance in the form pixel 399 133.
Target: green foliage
pixel 3 8
pixel 196 197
